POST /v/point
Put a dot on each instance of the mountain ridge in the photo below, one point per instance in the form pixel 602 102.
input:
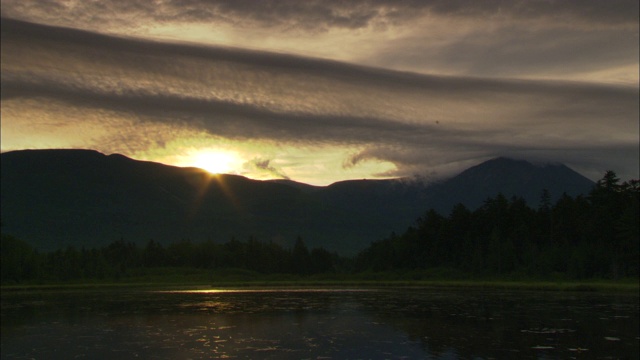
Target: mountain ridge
pixel 510 177
pixel 57 198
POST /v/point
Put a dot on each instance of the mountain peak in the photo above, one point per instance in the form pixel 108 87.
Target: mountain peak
pixel 509 177
pixel 503 162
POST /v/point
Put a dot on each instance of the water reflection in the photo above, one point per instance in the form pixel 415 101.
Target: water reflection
pixel 518 324
pixel 319 323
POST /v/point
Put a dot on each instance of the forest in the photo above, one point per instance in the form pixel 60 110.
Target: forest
pixel 595 236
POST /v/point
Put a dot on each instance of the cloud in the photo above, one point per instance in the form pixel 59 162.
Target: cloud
pixel 516 52
pixel 318 14
pixel 423 124
pixel 265 166
pixel 570 40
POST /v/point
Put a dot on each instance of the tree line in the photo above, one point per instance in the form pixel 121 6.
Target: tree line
pixel 592 236
pixel 21 263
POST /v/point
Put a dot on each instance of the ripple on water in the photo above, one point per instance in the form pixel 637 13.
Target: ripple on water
pixel 388 323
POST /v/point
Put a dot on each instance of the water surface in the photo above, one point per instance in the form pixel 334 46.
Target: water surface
pixel 398 323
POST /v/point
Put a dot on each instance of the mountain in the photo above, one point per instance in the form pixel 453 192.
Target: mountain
pixel 57 198
pixel 509 177
pixel 302 186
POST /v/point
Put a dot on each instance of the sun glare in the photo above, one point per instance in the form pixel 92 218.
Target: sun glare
pixel 217 162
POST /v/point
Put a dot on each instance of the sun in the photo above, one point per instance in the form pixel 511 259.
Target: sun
pixel 216 161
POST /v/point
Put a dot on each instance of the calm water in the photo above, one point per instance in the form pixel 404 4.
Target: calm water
pixel 319 324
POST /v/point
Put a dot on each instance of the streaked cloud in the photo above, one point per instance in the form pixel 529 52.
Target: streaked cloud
pixel 487 79
pixel 573 40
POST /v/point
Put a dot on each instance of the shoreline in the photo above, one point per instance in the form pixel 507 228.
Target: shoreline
pixel 600 286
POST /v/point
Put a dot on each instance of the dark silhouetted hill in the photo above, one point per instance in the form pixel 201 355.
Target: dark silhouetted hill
pixel 56 198
pixel 509 177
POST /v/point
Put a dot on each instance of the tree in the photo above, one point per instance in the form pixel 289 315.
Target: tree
pixel 154 254
pixel 321 261
pixel 300 258
pixel 609 181
pixel 545 201
pixel 430 243
pixel 18 260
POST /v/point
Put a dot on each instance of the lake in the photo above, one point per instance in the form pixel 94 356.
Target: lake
pixel 385 323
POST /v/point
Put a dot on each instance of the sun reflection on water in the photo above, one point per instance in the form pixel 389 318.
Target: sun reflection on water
pixel 269 290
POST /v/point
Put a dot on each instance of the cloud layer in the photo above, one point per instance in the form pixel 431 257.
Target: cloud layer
pixel 488 88
pixel 577 40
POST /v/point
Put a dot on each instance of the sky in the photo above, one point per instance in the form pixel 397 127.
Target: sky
pixel 324 91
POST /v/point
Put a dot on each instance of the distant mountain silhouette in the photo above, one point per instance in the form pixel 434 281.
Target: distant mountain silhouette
pixel 56 198
pixel 509 177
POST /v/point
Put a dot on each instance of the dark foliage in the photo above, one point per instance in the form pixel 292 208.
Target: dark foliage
pixel 120 259
pixel 582 237
pixel 596 236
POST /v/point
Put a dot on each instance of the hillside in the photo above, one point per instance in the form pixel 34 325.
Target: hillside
pixel 509 177
pixel 56 198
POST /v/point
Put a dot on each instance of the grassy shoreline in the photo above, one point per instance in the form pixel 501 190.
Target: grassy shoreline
pixel 629 286
pixel 228 278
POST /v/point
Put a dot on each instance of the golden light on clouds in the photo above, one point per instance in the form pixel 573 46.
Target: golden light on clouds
pixel 318 91
pixel 265 160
